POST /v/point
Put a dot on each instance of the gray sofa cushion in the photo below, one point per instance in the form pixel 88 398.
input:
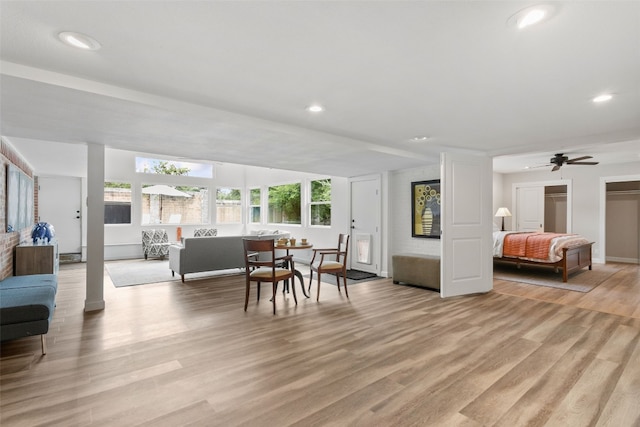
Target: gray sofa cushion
pixel 198 254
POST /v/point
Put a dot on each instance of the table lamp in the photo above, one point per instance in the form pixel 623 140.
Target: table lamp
pixel 502 212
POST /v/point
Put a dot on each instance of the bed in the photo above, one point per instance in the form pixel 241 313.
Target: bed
pixel 569 252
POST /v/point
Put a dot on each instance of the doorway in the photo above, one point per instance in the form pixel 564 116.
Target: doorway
pixel 365 245
pixel 555 209
pixel 622 222
pixel 59 203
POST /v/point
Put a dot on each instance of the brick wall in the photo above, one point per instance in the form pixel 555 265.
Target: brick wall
pixel 8 241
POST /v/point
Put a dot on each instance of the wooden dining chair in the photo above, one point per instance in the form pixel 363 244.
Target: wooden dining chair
pixel 265 268
pixel 331 260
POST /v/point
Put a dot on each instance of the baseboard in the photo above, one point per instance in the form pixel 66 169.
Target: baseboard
pixel 623 260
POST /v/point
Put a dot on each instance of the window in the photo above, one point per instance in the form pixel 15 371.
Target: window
pixel 228 206
pixel 171 167
pixel 320 206
pixel 284 204
pixel 117 203
pixel 165 204
pixel 254 205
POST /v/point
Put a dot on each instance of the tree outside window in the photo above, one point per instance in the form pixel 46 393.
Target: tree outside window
pixel 228 205
pixel 320 206
pixel 254 205
pixel 284 204
pixel 172 167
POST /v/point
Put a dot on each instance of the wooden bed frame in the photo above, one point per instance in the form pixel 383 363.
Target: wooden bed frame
pixel 573 259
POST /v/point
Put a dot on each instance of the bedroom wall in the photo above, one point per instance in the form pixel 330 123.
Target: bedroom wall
pixel 586 194
pixel 497 200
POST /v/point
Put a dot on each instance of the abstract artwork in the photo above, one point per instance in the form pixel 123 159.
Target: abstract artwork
pixel 425 209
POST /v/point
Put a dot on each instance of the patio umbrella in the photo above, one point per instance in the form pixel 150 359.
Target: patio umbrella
pixel 161 190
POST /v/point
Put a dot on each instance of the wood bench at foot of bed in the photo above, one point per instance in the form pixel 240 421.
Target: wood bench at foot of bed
pixel 417 269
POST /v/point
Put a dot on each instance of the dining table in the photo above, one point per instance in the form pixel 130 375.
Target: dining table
pixel 297 246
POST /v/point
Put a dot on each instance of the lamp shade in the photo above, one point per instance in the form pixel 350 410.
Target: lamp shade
pixel 503 212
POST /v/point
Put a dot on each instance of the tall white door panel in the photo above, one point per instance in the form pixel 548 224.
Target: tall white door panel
pixel 364 243
pixel 530 208
pixel 59 203
pixel 467 260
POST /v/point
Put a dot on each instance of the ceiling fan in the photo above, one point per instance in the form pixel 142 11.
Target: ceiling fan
pixel 560 159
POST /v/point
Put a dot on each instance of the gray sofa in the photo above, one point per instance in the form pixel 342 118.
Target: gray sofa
pixel 26 306
pixel 198 254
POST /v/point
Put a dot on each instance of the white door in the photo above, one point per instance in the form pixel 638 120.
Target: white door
pixel 466 264
pixel 59 202
pixel 530 208
pixel 364 243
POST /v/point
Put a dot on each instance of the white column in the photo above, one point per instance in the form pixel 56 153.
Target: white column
pixel 95 228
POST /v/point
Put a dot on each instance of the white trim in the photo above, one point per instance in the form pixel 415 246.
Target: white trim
pixel 603 210
pixel 377 249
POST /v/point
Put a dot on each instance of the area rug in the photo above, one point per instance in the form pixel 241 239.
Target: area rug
pixel 141 272
pixel 584 280
pixel 353 277
pixel 360 275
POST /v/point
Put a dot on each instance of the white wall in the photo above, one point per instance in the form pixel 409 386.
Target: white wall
pixel 497 200
pixel 586 194
pixel 319 236
pixel 399 199
pixel 123 240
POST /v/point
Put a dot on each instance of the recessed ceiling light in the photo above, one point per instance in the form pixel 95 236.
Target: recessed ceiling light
pixel 421 138
pixel 602 98
pixel 531 16
pixel 315 108
pixel 77 40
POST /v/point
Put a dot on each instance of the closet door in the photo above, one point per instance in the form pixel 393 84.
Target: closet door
pixel 530 208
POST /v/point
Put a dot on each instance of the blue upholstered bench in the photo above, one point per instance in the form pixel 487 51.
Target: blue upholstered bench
pixel 26 306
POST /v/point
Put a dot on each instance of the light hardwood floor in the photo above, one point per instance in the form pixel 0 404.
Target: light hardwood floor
pixel 173 354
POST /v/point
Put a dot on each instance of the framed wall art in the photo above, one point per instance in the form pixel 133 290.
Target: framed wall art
pixel 19 199
pixel 425 209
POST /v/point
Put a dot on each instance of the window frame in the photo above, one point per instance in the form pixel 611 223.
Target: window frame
pixel 311 203
pixel 239 205
pixel 300 204
pixel 251 206
pixel 130 202
pixel 202 170
pixel 179 184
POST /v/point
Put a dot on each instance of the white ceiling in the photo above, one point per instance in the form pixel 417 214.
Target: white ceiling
pixel 229 81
